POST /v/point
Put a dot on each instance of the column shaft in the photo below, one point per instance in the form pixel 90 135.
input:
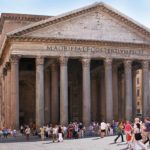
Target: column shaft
pixel 47 95
pixel 39 91
pixel 3 99
pixel 115 92
pixel 15 91
pixel 86 91
pixel 8 95
pixel 128 89
pixel 134 92
pixel 102 95
pixel 55 100
pixel 94 98
pixel 0 101
pixel 109 95
pixel 146 103
pixel 6 100
pixel 63 91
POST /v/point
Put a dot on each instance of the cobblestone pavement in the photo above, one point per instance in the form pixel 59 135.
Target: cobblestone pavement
pixel 94 143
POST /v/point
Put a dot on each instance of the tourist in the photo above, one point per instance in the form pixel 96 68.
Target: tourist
pixel 5 132
pixel 42 133
pixel 60 137
pixel 27 132
pixel 70 130
pixel 90 130
pixel 111 131
pixel 119 132
pixel 64 130
pixel 128 133
pixel 81 130
pixel 21 129
pixel 1 133
pixel 137 144
pixel 147 130
pixel 55 132
pixel 75 131
pixel 103 129
pixel 14 133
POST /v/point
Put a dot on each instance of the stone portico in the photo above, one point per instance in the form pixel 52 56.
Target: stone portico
pixel 77 66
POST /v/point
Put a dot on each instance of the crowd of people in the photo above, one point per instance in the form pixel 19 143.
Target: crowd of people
pixel 137 133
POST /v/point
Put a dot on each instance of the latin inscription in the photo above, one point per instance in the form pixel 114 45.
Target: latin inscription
pixel 96 50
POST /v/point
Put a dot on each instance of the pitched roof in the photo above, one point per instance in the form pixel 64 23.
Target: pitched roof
pixel 106 8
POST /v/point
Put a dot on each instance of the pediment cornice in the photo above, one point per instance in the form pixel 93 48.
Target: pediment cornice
pixel 105 8
pixel 77 41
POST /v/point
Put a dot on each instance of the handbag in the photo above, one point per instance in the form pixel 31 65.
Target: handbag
pixel 138 136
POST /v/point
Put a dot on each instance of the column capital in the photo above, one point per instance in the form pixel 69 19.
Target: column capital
pixel 63 60
pixel 7 65
pixel 85 62
pixel 108 61
pixel 128 64
pixel 39 60
pixel 14 59
pixel 145 64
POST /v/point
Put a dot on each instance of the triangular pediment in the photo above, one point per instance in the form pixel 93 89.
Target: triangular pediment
pixel 96 22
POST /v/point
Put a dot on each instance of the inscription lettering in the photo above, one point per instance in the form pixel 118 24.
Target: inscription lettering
pixel 96 50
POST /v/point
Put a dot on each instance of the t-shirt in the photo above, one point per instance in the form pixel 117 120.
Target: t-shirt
pixel 128 127
pixel 42 131
pixel 103 126
pixel 55 130
pixel 27 131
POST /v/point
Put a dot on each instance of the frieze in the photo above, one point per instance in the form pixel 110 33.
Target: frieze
pixel 95 51
pixel 80 51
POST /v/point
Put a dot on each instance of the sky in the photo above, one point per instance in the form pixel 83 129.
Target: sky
pixel 139 10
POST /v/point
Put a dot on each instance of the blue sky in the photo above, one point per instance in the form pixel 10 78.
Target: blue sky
pixel 139 10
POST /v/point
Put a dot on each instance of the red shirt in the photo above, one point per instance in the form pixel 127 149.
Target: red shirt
pixel 128 127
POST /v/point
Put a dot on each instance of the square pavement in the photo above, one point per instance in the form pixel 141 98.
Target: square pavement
pixel 94 143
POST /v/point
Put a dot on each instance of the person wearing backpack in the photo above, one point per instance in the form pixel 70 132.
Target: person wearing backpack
pixel 119 132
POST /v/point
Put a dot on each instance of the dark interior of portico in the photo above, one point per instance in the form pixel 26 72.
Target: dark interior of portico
pixel 74 90
pixel 26 90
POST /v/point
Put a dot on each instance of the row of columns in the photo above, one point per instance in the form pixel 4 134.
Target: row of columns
pixel 12 91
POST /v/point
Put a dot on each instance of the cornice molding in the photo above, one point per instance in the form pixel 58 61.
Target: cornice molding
pixel 77 41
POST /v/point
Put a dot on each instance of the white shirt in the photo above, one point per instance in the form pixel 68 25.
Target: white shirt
pixel 103 126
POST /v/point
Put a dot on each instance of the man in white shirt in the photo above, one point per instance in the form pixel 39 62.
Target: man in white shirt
pixel 103 129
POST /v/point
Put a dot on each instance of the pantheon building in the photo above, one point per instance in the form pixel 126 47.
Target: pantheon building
pixel 77 66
